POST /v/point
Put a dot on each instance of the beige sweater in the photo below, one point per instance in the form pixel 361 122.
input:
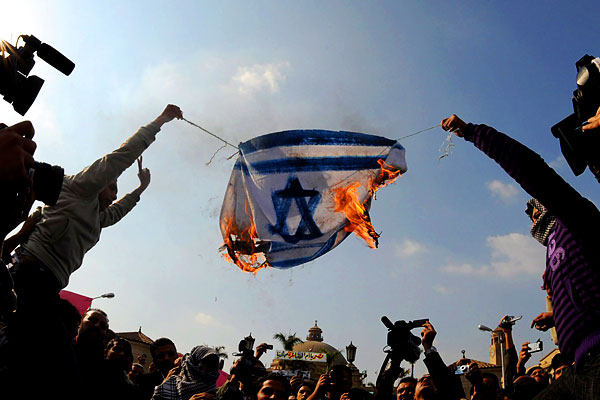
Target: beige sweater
pixel 72 227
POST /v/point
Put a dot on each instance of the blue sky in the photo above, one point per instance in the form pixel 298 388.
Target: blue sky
pixel 455 246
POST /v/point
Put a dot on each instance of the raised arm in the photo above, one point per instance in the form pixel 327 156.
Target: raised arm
pixel 94 178
pixel 531 172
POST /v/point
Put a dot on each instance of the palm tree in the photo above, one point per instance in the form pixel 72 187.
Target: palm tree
pixel 288 341
pixel 221 351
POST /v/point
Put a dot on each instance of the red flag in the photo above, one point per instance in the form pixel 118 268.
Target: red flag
pixel 82 303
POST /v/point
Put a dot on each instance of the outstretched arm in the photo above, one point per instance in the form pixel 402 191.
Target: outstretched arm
pixel 91 181
pixel 531 172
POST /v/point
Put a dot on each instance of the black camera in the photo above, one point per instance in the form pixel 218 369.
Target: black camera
pixel 16 86
pixel 47 182
pixel 246 368
pixel 401 340
pixel 580 148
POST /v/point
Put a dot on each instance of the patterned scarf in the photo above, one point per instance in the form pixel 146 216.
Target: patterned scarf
pixel 192 379
pixel 543 225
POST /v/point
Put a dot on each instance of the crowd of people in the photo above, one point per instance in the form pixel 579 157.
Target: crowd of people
pixel 84 361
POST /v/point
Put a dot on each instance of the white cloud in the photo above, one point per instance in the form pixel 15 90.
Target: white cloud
pixel 511 255
pixel 507 192
pixel 442 289
pixel 260 76
pixel 207 320
pixel 409 248
pixel 558 163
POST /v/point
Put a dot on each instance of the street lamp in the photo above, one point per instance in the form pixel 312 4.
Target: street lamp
pixel 501 341
pixel 351 352
pixel 249 342
pixel 104 296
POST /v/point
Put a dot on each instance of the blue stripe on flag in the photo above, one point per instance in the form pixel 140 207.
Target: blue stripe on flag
pixel 287 165
pixel 313 137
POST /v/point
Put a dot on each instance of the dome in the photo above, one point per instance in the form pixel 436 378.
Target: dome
pixel 315 344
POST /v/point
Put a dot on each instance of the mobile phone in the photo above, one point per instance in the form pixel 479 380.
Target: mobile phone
pixel 536 346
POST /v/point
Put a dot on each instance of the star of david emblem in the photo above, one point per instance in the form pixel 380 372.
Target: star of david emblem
pixel 282 202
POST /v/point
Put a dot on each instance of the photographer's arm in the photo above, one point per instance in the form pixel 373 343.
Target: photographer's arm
pixel 531 172
pixel 442 377
pixel 321 388
pixel 524 356
pixel 107 169
pixel 16 155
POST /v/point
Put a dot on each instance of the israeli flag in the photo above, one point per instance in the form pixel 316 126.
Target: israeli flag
pixel 282 187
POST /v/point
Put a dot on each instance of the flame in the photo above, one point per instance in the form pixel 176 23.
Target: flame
pixel 346 200
pixel 388 175
pixel 242 247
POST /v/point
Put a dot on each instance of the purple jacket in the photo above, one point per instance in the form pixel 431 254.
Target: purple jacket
pixel 573 251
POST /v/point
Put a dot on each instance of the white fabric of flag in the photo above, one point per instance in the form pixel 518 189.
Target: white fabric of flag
pixel 279 205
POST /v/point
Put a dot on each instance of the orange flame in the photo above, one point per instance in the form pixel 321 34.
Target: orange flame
pixel 346 200
pixel 242 247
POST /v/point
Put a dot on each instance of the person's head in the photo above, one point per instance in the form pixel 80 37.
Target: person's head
pixel 273 387
pixel 540 376
pixel 559 366
pixel 425 389
pixel 203 358
pixel 359 394
pixel 525 387
pixel 340 379
pixel 164 354
pixel 108 195
pixel 406 388
pixel 542 221
pixel 491 382
pixel 136 370
pixel 93 327
pixel 118 352
pixel 304 391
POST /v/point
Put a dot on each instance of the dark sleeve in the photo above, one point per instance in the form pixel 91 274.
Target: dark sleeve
pixel 445 381
pixel 385 382
pixel 536 177
pixel 510 362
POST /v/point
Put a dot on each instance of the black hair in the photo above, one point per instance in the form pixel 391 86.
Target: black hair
pixel 408 379
pixel 274 377
pixel 122 342
pixel 163 341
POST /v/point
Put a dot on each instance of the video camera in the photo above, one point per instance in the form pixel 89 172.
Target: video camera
pixel 246 368
pixel 578 147
pixel 401 341
pixel 16 86
pixel 401 344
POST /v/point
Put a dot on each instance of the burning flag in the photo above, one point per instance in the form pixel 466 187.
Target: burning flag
pixel 295 195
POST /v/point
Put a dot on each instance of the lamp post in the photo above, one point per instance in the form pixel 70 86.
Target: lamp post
pixel 104 296
pixel 249 342
pixel 351 352
pixel 501 341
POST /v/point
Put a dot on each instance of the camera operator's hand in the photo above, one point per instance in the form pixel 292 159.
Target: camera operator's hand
pixel 543 322
pixel 16 153
pixel 474 375
pixel 524 356
pixel 322 385
pixel 454 124
pixel 427 335
pixel 260 350
pixel 169 113
pixel 593 122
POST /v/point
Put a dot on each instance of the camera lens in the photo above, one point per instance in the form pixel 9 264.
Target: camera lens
pixel 47 182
